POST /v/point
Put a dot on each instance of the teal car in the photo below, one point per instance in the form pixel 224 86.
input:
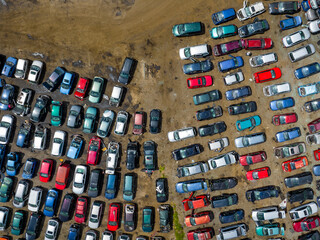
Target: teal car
pixel 96 90
pixel 56 113
pixel 6 189
pixel 224 31
pixel 248 123
pixel 269 229
pixel 18 223
pixel 89 120
pixel 188 29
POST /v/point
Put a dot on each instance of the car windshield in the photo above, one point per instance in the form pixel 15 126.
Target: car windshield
pixel 304 226
pixel 94 218
pixel 40 104
pixel 74 113
pixel 289 40
pixel 224 48
pixel 28 167
pixel 251 28
pixel 273 74
pixel 57 140
pixel 65 86
pixel 80 90
pixel 35 69
pixel 181 29
pixel 185 187
pixel 187 52
pixel 247 11
pixel 282 120
pixel 219 16
pixel 4 101
pixel 94 94
pixel 255 175
pixel 249 160
pixel 220 31
pixel 279 104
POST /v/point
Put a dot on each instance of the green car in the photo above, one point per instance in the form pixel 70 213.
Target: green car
pixel 56 113
pixel 96 90
pixel 6 189
pixel 89 120
pixel 224 31
pixel 18 223
pixel 269 229
pixel 188 29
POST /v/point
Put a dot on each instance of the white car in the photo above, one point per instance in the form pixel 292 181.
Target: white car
pixel 309 89
pixel 4 213
pixel 112 157
pixel 21 194
pixel 35 197
pixel 79 179
pixel 121 123
pixel 314 26
pixel 313 138
pixel 95 215
pixel 250 140
pixel 296 38
pixel 250 11
pixel 40 138
pixel 6 128
pixel 90 235
pixel 263 59
pixel 233 231
pixel 194 51
pixel 219 144
pixel 35 71
pixel 181 134
pixel 58 143
pixel 21 69
pixel 313 4
pixel 223 160
pixel 276 89
pixel 233 78
pixel 267 213
pixel 107 235
pixel 301 53
pixel 52 230
pixel 303 211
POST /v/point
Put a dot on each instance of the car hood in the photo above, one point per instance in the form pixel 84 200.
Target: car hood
pixel 72 152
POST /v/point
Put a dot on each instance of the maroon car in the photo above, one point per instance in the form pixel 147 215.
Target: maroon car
pixel 314 126
pixel 227 48
pixel 203 234
pixel 252 158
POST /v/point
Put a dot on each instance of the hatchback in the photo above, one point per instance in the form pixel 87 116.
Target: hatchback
pixel 54 80
pixel 81 210
pixel 79 179
pixel 75 116
pixel 198 218
pixel 288 134
pixel 35 71
pixel 81 88
pixel 197 67
pixel 34 225
pixel 58 143
pixel 9 67
pixel 39 111
pixel 290 22
pixel 229 64
pixel 267 75
pixel 18 222
pixel 29 168
pixel 224 31
pixel 282 103
pixel 56 113
pixel 121 123
pixel 258 173
pixel 13 163
pixel 105 123
pixel 75 147
pixel 113 217
pixel 309 89
pixel 95 183
pixel 94 151
pixel 52 230
pixel 51 205
pixel 89 120
pixel 95 215
pixel 237 93
pixel 138 123
pixel 162 190
pixel 45 170
pixel 188 29
pixel 96 90
pixel 223 16
pixel 67 83
pixel 197 82
pixel 224 200
pixel 7 97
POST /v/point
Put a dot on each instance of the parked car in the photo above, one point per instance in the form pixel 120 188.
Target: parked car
pixel 18 223
pixel 191 185
pixel 129 217
pixel 258 173
pixel 95 215
pixel 303 211
pixel 250 140
pixel 188 29
pixel 224 31
pixel 199 51
pixel 52 229
pixel 21 193
pixel 24 135
pixel 309 89
pixel 129 187
pixel 314 126
pixel 261 193
pixel 267 214
pixel 96 90
pixel 155 121
pixel 94 151
pixel 313 138
pixel 264 59
pixel 267 75
pixel 165 218
pixel 282 103
pixel 192 169
pixel 107 235
pixel 298 179
pixel 181 134
pixel 56 113
pixel 283 119
pixel 296 38
pixel 81 88
pixel 248 123
pixel 35 71
pixel 29 168
pixel 241 108
pixel 105 123
pixel 224 200
pixel 67 83
pixel 223 160
pixel 227 48
pixel 233 78
pixel 13 163
pixel 75 116
pixel 95 183
pixel 300 195
pixel 113 217
pixel 45 170
pixel 311 235
pixel 256 43
pixel 112 157
pixel 289 7
pixel 276 89
pixel 111 186
pixel 202 233
pixel 223 16
pixel 162 190
pixel 7 97
pixel 312 106
pixel 34 226
pixel 290 22
pixel 198 82
pixel 312 14
pixel 75 147
pixel 250 11
pixel 79 179
pixel 257 27
pixel 231 216
pixel 316 154
pixel 313 26
pixel 91 235
pixel 301 53
pixel 132 155
pixel 74 232
pixel 127 70
pixel 23 103
pixel 219 144
pixel 270 229
pixel 62 175
pixel 223 183
pixel 6 189
pixel 138 123
pixel 3 149
pixel 185 152
pixel 54 80
pixel 313 4
pixel 116 96
pixel 237 93
pixel 211 129
pixel 252 158
pixel 9 67
pixel 200 218
pixel 38 114
pixel 229 64
pixel 233 231
pixel 21 68
pixel 58 143
pixel 147 219
pixel 195 202
pixel 67 207
pixel 197 67
pixel 51 203
pixel 288 134
pixel 316 169
pixel 295 163
pixel 306 224
pixel 121 123
pixel 209 113
pixel 81 210
pixel 89 120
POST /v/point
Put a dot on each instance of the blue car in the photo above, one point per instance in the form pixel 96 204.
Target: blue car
pixel 9 67
pixel 288 134
pixel 191 185
pixel 13 163
pixel 309 89
pixel 75 147
pixel 290 22
pixel 223 16
pixel 111 186
pixel 305 5
pixel 29 168
pixel 231 216
pixel 24 135
pixel 67 82
pixel 74 232
pixel 197 67
pixel 308 70
pixel 233 63
pixel 3 149
pixel 51 202
pixel 281 103
pixel 237 93
pixel 6 100
pixel 248 123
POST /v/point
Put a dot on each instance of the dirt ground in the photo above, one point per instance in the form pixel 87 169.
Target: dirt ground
pixel 92 38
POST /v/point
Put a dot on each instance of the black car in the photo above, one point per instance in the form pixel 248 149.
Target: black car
pixel 155 121
pixel 186 152
pixel 23 104
pixel 74 232
pixel 54 80
pixel 132 155
pixel 34 226
pixel 206 97
pixel 39 111
pixel 162 190
pixel 127 70
pixel 298 179
pixel 165 215
pixel 223 183
pixel 211 129
pixel 150 157
pixel 224 200
pixel 314 235
pixel 95 183
pixel 67 207
pixel 300 195
pixel 209 113
pixel 259 26
pixel 197 67
pixel 241 108
pixel 231 216
pixel 289 7
pixel 262 193
pixel 312 106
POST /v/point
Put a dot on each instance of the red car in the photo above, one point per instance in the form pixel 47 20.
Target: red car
pixel 258 43
pixel 314 126
pixel 316 154
pixel 196 202
pixel 81 88
pixel 267 75
pixel 306 224
pixel 227 48
pixel 252 158
pixel 295 163
pixel 197 82
pixel 258 173
pixel 138 123
pixel 113 216
pixel 200 234
pixel 94 151
pixel 198 218
pixel 62 176
pixel 286 118
pixel 46 170
pixel 81 210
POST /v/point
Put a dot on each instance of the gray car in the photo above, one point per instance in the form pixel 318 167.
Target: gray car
pixel 249 140
pixel 74 119
pixel 192 169
pixel 105 123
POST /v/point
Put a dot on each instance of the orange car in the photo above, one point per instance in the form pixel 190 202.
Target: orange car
pixel 198 218
pixel 295 163
pixel 195 202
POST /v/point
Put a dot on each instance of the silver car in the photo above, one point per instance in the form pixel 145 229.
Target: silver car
pixel 250 140
pixel 121 123
pixel 21 194
pixel 74 119
pixel 192 169
pixel 263 59
pixel 232 231
pixel 290 150
pixel 105 123
pixel 95 215
pixel 52 230
pixel 223 160
pixel 40 138
pixel 5 128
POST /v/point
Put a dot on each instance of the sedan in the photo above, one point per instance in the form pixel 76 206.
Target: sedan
pixel 282 103
pixel 237 93
pixel 81 210
pixel 121 123
pixel 9 67
pixel 13 163
pixel 248 123
pixel 314 26
pixel 188 29
pixel 79 179
pixel 296 38
pixel 6 125
pixel 263 59
pixel 223 160
pixel 290 22
pixel 39 111
pixel 67 207
pixel 7 97
pixel 147 219
pixel 186 152
pixel 96 90
pixel 298 179
pixel 250 140
pixel 58 143
pixel 113 217
pixel 300 195
pixel 74 119
pixel 81 88
pixel 270 229
pixel 197 82
pixel 51 203
pixel 312 106
pixel 198 218
pixel 289 7
pixel 233 78
pixel 105 123
pixel 56 113
pixel 197 67
pixel 231 216
pixel 223 183
pixel 250 11
pixel 29 168
pixel 155 121
pixel 252 158
pixel 227 48
pixel 35 71
pixel 241 108
pixel 224 31
pixel 256 44
pixel 95 214
pixel 67 82
pixel 276 89
pixel 201 233
pixel 262 193
pixel 54 80
pixel 309 89
pixel 229 64
pixel 95 183
pixel 258 26
pixel 34 226
pixel 285 118
pixel 211 129
pixel 306 224
pixel 223 16
pixel 52 229
pixel 224 200
pixel 209 113
pixel 258 173
pixel 196 202
pixel 89 120
pixel 75 147
pixel 191 185
pixel 267 75
pixel 288 134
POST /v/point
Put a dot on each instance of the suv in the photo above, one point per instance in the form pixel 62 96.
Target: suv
pixel 112 158
pixel 132 155
pixel 127 70
pixel 147 219
pixel 54 79
pixel 23 104
pixel 267 213
pixel 188 29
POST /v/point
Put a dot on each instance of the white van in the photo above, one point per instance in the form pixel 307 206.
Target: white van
pixel 116 96
pixel 21 68
pixel 301 53
pixel 194 51
pixel 35 197
pixel 182 134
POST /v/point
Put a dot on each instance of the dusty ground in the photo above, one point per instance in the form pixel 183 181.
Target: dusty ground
pixel 93 37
